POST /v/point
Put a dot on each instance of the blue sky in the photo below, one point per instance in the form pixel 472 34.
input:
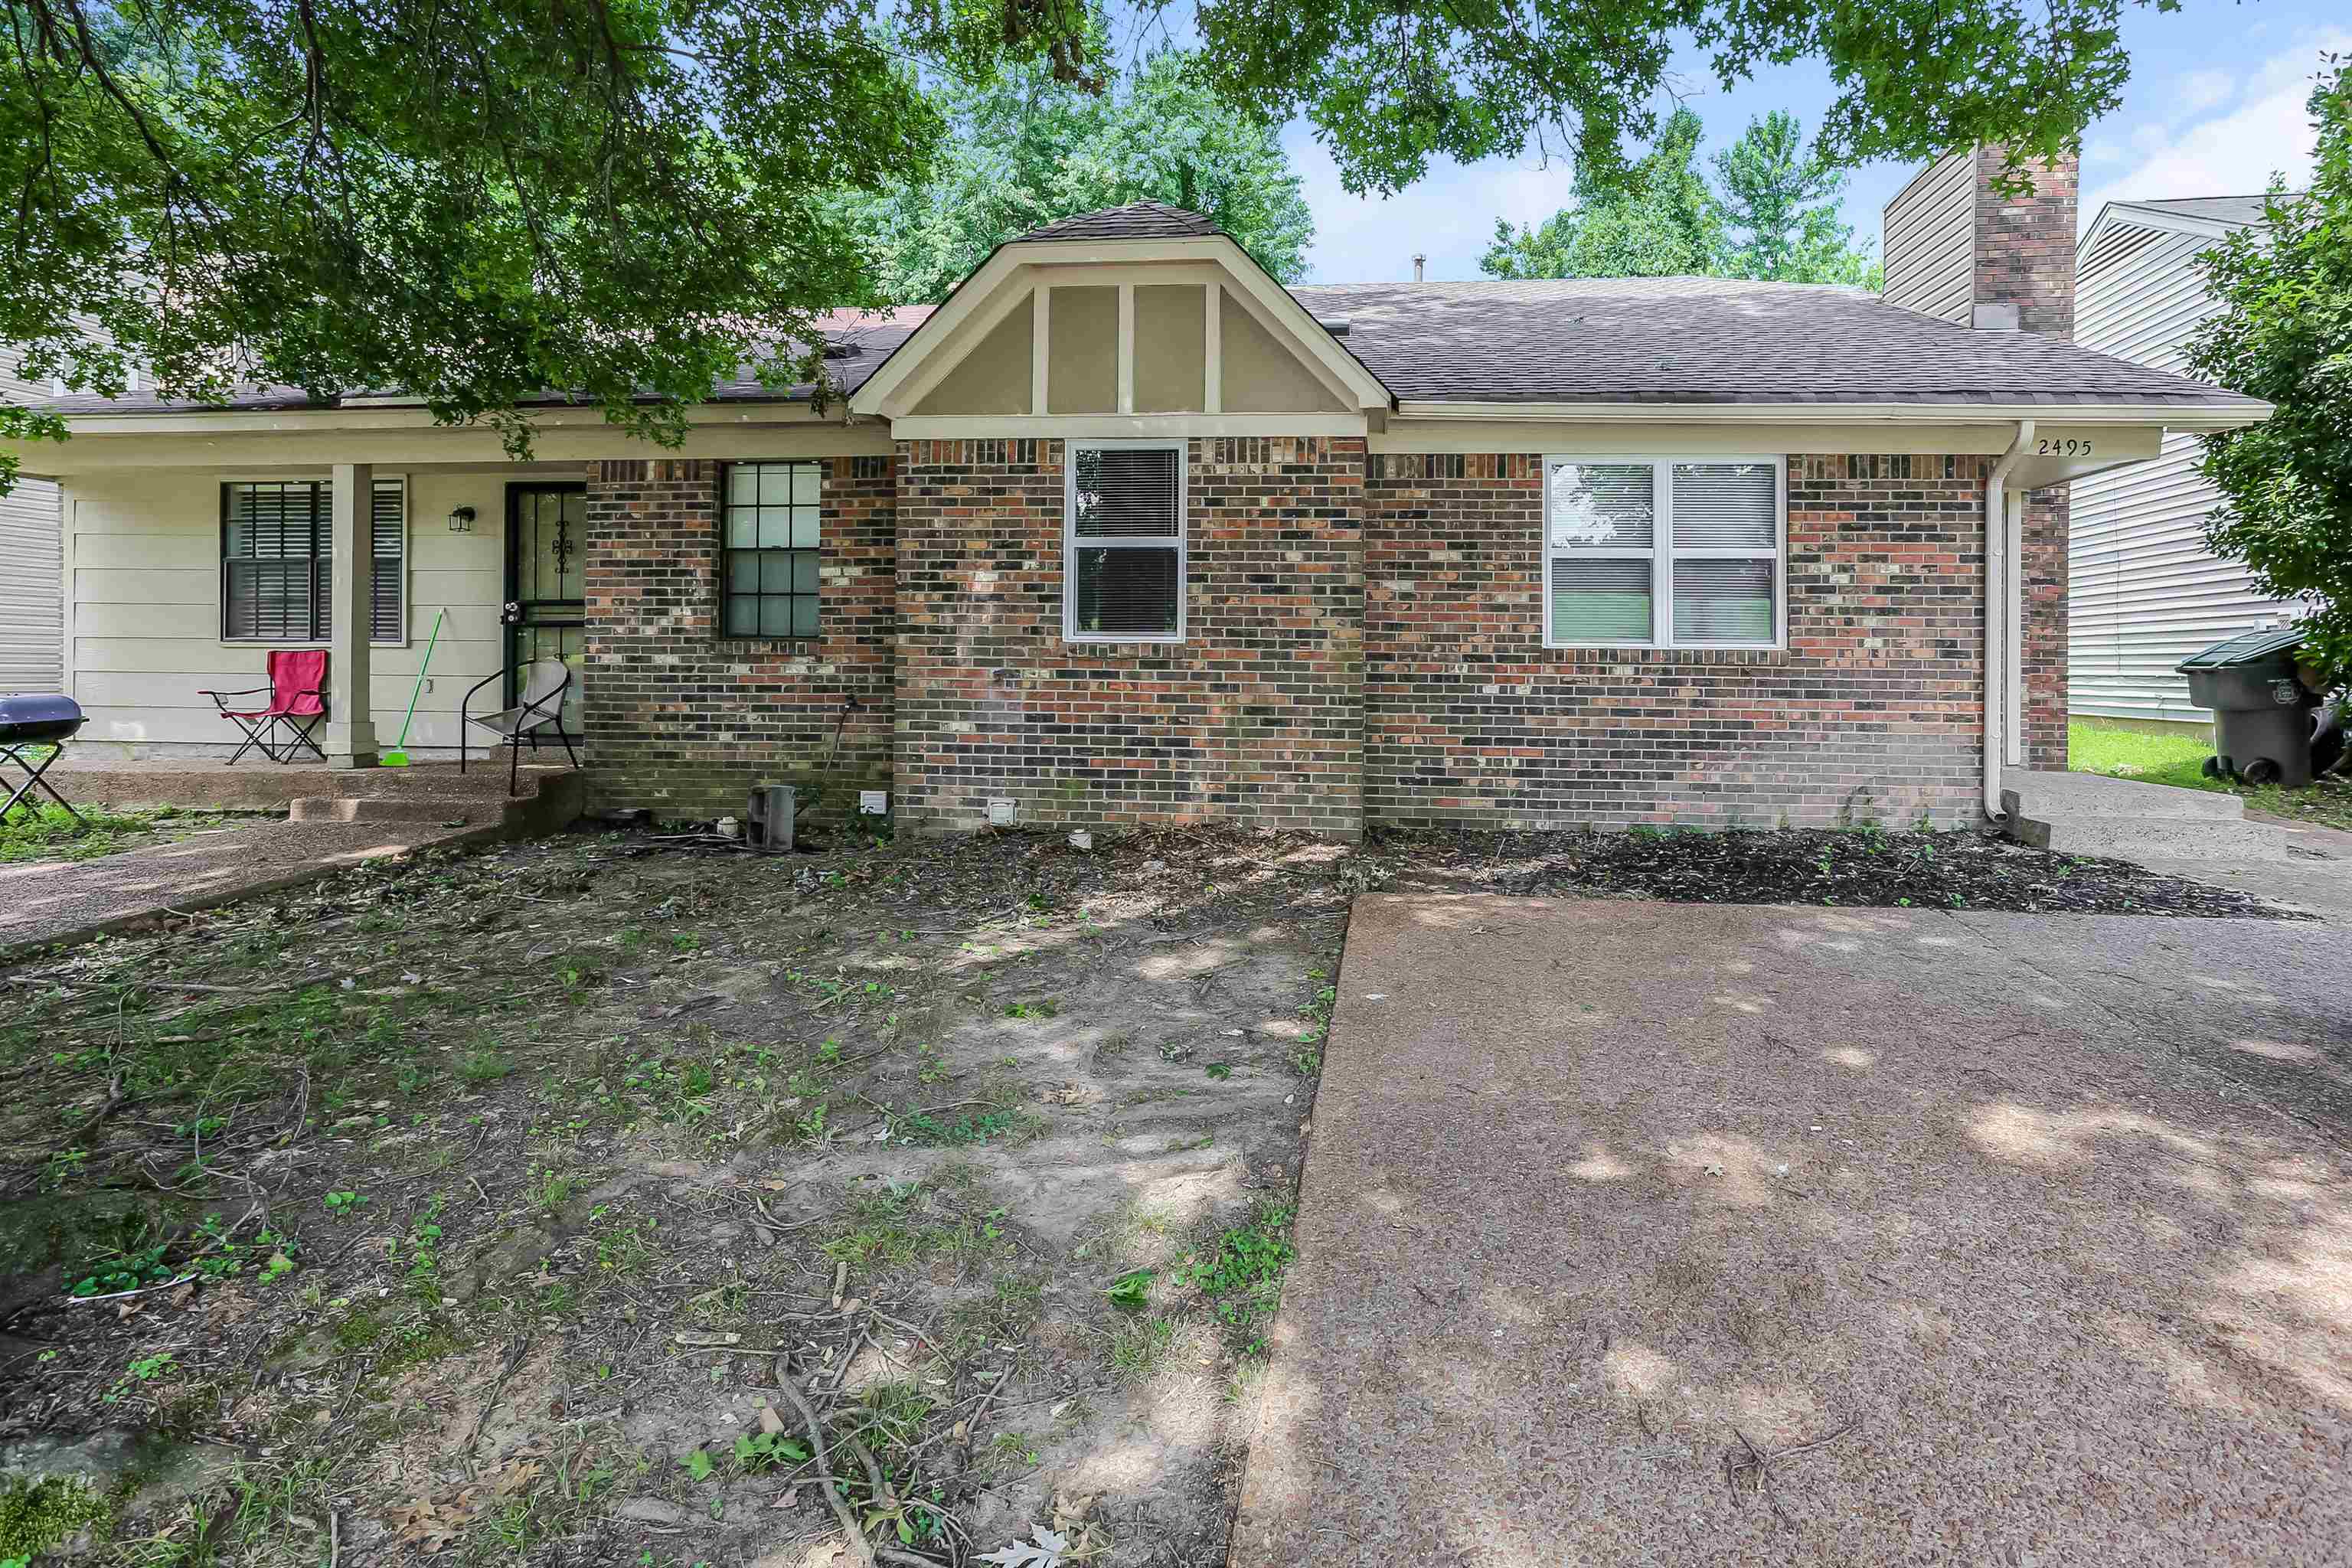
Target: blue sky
pixel 2214 105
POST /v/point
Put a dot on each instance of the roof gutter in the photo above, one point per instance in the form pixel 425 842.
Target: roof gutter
pixel 2182 416
pixel 1999 571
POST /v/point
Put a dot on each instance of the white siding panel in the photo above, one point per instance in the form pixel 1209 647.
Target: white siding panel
pixel 145 619
pixel 2143 591
pixel 1930 240
pixel 32 589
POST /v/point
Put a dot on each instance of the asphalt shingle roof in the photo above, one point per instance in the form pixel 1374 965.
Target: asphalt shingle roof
pixel 1708 340
pixel 1137 220
pixel 1591 339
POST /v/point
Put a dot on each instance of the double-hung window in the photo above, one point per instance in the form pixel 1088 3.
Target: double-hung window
pixel 278 561
pixel 1123 542
pixel 1663 553
pixel 769 583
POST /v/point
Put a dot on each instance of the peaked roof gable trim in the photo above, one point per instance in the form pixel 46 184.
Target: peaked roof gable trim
pixel 982 300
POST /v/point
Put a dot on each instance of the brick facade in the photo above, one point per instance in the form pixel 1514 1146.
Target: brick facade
pixel 1364 647
pixel 1872 712
pixel 684 722
pixel 2025 256
pixel 1258 714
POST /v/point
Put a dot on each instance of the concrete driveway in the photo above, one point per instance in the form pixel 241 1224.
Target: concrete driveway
pixel 1639 1233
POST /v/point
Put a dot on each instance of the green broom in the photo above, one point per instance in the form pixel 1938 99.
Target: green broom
pixel 398 756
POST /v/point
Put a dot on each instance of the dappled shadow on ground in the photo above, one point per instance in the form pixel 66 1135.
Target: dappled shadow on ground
pixel 1684 1235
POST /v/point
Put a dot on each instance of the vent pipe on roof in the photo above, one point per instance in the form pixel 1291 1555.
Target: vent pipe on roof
pixel 1417 260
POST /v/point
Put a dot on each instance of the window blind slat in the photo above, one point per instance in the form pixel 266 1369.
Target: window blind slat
pixel 1725 506
pixel 1723 601
pixel 1599 601
pixel 1126 492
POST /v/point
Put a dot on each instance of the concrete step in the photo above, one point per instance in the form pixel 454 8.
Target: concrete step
pixel 2085 814
pixel 473 810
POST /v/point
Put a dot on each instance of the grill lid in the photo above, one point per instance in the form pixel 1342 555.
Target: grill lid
pixel 38 716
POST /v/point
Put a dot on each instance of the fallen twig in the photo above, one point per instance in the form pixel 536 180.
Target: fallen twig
pixel 861 1550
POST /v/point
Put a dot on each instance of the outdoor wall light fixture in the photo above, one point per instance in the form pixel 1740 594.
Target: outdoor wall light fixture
pixel 461 520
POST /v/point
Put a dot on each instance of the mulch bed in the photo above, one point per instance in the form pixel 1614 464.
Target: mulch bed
pixel 1871 868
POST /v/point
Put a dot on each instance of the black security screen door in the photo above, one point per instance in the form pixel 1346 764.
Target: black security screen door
pixel 546 607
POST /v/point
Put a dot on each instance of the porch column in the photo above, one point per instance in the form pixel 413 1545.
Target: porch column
pixel 351 728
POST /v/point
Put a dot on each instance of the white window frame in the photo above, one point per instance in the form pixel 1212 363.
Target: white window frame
pixel 1072 544
pixel 1661 551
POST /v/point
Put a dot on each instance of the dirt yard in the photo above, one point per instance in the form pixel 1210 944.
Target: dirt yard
pixel 591 1200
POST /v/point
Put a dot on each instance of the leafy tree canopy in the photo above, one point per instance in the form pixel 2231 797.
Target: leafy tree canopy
pixel 2285 334
pixel 476 200
pixel 1657 219
pixel 1782 202
pixel 1026 148
pixel 1778 216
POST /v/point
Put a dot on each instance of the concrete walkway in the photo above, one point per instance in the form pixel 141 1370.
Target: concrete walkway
pixel 1638 1233
pixel 45 901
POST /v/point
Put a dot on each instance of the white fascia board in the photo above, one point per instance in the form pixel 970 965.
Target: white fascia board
pixel 387 416
pixel 2189 417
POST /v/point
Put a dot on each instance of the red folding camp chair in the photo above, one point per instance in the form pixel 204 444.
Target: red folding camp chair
pixel 298 706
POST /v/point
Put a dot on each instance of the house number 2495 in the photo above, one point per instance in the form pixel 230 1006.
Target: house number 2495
pixel 2048 447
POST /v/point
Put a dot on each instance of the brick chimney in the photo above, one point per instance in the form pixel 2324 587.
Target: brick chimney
pixel 2025 245
pixel 1958 249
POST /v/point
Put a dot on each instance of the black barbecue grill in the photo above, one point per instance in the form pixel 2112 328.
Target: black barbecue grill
pixel 28 719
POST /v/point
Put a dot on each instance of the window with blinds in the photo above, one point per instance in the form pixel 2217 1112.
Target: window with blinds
pixel 1123 543
pixel 1663 553
pixel 768 550
pixel 278 562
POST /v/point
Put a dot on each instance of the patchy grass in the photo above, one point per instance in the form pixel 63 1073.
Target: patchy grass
pixel 51 832
pixel 470 1195
pixel 2180 760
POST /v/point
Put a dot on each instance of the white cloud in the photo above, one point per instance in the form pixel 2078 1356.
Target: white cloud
pixel 2201 91
pixel 2233 153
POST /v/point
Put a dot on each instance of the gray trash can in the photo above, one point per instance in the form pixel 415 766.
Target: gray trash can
pixel 2261 711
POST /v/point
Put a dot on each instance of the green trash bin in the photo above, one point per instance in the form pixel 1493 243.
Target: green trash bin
pixel 2262 710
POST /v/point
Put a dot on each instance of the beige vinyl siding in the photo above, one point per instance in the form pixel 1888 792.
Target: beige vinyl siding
pixel 1928 240
pixel 2143 591
pixel 31 589
pixel 142 547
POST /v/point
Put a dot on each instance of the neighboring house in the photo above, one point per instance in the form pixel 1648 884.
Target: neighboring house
pixel 2145 592
pixel 32 578
pixel 1125 531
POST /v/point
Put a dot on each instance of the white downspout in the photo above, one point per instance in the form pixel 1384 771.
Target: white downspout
pixel 1998 587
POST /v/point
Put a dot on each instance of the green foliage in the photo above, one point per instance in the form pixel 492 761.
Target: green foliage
pixel 1780 201
pixel 698 1465
pixel 765 1451
pixel 474 200
pixel 35 1516
pixel 1132 1292
pixel 1777 217
pixel 1242 1274
pixel 1655 219
pixel 32 832
pixel 2285 334
pixel 1026 149
pixel 481 200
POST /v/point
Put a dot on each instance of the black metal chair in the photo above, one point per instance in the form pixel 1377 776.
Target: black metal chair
pixel 544 683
